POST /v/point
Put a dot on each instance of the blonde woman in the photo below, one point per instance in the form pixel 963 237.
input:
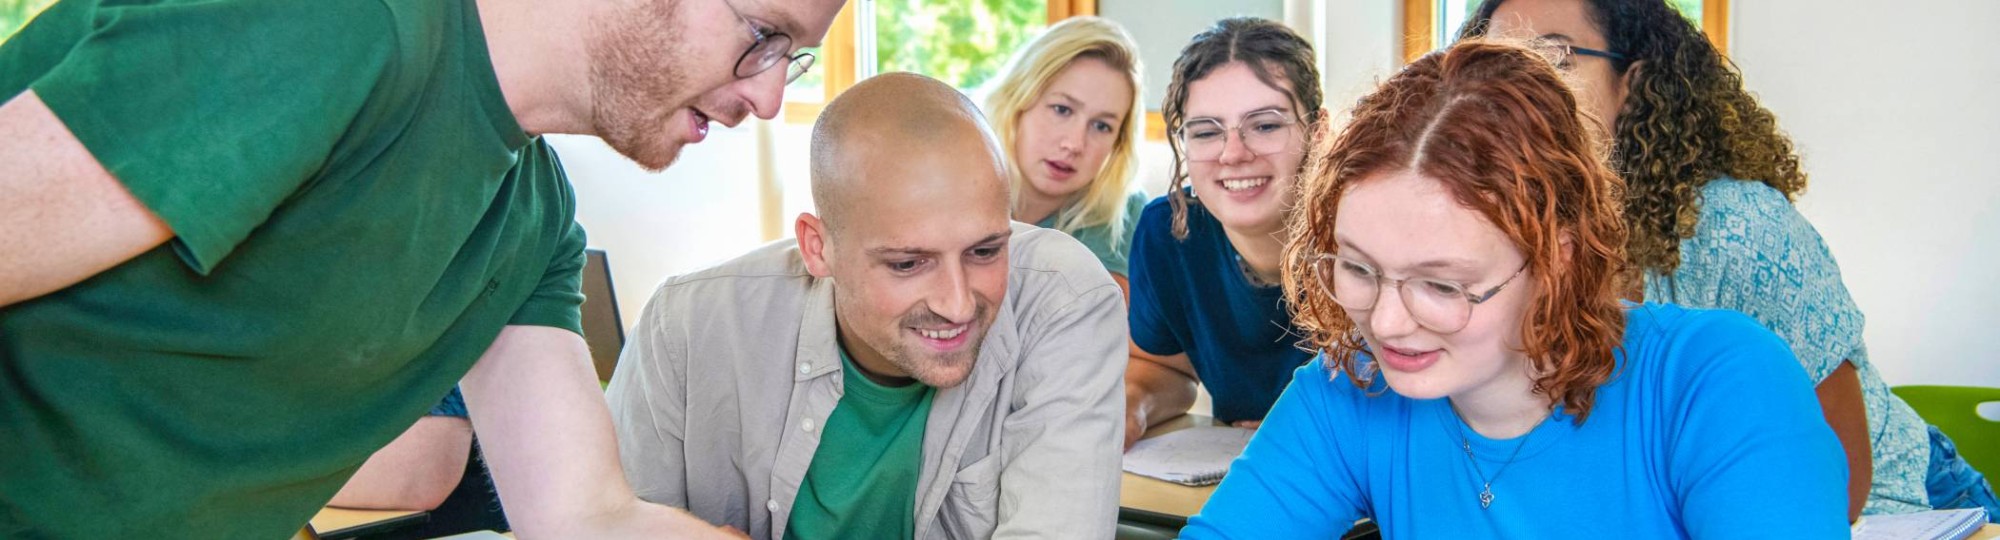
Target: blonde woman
pixel 1067 110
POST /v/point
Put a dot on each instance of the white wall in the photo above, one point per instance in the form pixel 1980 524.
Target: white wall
pixel 1890 107
pixel 1893 109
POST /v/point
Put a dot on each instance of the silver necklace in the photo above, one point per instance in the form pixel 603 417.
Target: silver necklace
pixel 1486 483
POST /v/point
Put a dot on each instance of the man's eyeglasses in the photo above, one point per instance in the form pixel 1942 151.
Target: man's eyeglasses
pixel 768 47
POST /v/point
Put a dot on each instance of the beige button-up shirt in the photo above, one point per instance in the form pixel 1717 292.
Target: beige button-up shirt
pixel 729 374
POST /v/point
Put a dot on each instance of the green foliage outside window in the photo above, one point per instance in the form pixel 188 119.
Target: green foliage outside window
pixel 962 42
pixel 15 13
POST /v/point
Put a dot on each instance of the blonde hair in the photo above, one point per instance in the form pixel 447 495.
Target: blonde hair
pixel 1022 82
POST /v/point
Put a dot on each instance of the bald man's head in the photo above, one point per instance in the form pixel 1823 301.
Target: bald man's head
pixel 894 118
pixel 912 227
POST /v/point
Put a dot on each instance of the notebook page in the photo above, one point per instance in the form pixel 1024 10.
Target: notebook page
pixel 1932 525
pixel 1194 456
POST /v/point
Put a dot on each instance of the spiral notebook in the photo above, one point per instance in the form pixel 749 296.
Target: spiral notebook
pixel 1932 525
pixel 1196 456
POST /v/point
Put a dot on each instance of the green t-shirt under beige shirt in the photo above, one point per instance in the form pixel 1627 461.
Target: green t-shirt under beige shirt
pixel 356 215
pixel 863 479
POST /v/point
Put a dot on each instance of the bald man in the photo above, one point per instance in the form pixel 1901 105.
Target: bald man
pixel 914 365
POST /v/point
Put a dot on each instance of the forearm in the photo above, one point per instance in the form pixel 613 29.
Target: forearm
pixel 414 472
pixel 548 442
pixel 1840 400
pixel 1155 392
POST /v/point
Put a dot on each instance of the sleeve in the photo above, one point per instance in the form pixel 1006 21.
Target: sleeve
pixel 1152 243
pixel 558 298
pixel 453 405
pixel 1063 438
pixel 647 397
pixel 1295 480
pixel 1771 264
pixel 1752 456
pixel 214 113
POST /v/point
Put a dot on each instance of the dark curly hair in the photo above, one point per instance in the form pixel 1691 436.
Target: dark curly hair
pixel 1686 121
pixel 1263 45
pixel 1499 129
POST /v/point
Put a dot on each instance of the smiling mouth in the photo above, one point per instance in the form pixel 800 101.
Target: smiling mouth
pixel 1060 167
pixel 945 334
pixel 701 121
pixel 1244 184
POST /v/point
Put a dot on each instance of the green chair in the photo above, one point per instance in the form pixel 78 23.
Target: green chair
pixel 1954 410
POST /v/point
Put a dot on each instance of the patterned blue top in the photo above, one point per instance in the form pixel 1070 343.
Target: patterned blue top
pixel 1753 252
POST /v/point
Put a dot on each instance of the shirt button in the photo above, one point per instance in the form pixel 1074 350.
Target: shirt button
pixel 772 505
pixel 807 425
pixel 805 367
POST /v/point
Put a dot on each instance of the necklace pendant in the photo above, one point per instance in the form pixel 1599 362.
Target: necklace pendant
pixel 1485 496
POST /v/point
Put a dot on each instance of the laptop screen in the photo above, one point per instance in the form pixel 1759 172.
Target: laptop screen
pixel 603 330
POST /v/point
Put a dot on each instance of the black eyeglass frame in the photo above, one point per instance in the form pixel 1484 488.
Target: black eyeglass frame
pixel 751 63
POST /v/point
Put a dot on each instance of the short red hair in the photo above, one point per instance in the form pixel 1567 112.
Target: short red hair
pixel 1500 129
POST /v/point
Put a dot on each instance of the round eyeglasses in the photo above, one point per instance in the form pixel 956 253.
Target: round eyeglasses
pixel 1440 305
pixel 768 47
pixel 1263 133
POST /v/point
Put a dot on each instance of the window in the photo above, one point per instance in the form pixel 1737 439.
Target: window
pixel 1429 24
pixel 962 42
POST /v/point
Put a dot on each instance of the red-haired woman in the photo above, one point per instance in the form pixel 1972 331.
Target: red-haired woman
pixel 1458 255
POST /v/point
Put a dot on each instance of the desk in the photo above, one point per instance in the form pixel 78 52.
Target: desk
pixel 1989 532
pixel 1158 502
pixel 336 523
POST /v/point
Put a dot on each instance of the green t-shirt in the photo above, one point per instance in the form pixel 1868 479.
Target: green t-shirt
pixel 1114 251
pixel 356 216
pixel 863 479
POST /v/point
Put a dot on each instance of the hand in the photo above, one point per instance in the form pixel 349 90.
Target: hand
pixel 1135 427
pixel 1247 424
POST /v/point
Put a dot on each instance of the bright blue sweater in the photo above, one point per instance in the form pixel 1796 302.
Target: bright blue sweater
pixel 1709 429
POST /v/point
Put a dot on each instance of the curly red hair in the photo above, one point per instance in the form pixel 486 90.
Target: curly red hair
pixel 1498 127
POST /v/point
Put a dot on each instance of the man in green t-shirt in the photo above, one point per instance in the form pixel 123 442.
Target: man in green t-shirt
pixel 247 242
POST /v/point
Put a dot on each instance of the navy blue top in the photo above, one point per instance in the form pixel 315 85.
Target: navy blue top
pixel 1709 429
pixel 452 405
pixel 1190 296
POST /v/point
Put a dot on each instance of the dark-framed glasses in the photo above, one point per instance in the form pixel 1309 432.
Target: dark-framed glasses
pixel 1563 55
pixel 1264 132
pixel 768 48
pixel 1441 305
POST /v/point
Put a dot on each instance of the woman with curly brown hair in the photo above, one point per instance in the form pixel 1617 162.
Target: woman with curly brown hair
pixel 1242 108
pixel 1457 252
pixel 1710 182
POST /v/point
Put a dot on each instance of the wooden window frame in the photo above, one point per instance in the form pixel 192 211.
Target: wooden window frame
pixel 1420 24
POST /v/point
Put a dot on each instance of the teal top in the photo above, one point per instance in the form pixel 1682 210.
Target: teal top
pixel 1753 252
pixel 1115 251
pixel 863 479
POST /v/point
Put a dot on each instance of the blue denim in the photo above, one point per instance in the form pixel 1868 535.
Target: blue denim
pixel 1953 483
